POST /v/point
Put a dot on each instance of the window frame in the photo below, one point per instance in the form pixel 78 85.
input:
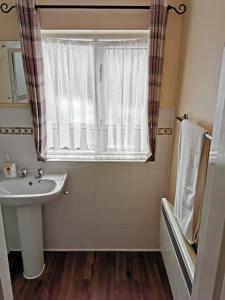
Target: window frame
pixel 89 156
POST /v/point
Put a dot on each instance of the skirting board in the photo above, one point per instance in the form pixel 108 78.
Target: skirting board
pixel 93 250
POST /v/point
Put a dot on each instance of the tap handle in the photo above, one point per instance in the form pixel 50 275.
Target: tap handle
pixel 23 172
pixel 40 173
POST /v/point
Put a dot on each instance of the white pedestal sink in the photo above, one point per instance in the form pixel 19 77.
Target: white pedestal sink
pixel 27 195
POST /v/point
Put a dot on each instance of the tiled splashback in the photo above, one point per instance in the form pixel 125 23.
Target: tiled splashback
pixel 109 206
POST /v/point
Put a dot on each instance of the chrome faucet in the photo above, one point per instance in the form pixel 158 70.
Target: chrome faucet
pixel 23 172
pixel 40 173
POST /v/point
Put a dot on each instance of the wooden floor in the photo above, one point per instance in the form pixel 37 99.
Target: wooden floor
pixel 94 275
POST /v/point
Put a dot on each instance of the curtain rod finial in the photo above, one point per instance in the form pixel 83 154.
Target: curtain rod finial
pixel 181 9
pixel 5 8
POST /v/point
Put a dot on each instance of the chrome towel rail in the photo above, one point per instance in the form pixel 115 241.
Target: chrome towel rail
pixel 185 117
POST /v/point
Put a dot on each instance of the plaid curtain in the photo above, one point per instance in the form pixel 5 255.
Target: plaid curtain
pixel 158 22
pixel 33 66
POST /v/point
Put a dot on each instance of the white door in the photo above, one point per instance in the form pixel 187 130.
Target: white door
pixel 5 281
pixel 209 274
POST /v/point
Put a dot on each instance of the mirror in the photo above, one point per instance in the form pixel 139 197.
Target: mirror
pixel 13 88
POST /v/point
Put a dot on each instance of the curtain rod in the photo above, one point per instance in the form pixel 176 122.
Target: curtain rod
pixel 181 8
pixel 185 117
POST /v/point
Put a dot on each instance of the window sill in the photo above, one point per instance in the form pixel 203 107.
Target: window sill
pixel 100 158
pixel 97 160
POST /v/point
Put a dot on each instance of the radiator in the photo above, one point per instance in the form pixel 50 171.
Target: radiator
pixel 178 256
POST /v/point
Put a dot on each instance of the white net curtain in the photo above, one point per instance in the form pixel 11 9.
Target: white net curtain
pixel 96 96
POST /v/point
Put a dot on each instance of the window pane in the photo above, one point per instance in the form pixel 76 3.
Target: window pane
pixel 125 95
pixel 70 93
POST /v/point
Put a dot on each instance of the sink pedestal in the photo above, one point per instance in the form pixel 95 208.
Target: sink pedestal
pixel 27 194
pixel 31 240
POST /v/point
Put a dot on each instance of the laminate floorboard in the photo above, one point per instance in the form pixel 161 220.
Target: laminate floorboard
pixel 93 276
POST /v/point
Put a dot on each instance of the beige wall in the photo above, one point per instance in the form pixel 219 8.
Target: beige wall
pixel 201 54
pixel 67 19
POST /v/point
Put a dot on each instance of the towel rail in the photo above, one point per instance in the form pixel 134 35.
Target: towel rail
pixel 185 117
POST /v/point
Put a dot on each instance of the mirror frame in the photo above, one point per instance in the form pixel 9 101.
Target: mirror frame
pixel 12 104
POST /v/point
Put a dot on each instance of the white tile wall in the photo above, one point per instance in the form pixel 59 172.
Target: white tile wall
pixel 109 206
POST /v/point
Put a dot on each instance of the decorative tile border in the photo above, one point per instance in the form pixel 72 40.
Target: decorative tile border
pixel 29 131
pixel 16 130
pixel 165 131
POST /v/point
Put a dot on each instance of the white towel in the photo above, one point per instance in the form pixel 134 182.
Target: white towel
pixel 191 176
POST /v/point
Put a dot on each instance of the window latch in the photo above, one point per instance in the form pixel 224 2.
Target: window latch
pixel 100 72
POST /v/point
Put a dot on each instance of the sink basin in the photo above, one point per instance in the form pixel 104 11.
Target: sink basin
pixel 28 194
pixel 29 191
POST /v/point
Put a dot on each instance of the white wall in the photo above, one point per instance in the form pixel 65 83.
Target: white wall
pixel 110 205
pixel 201 52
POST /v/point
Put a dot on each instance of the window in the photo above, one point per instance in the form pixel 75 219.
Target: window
pixel 96 94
